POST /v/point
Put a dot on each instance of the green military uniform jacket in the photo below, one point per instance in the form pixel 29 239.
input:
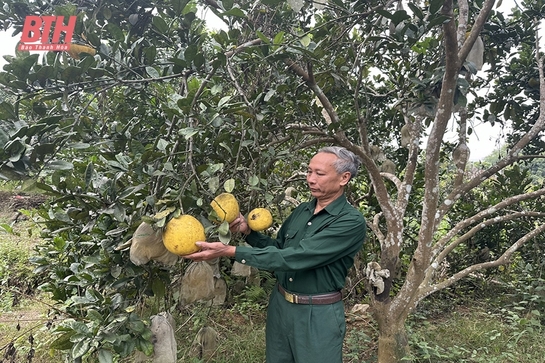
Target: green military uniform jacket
pixel 312 253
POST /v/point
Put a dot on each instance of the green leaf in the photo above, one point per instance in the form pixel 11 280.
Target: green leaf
pixel 160 24
pixel 305 41
pixel 79 145
pixel 214 184
pixel 161 223
pixel 435 6
pixel 164 213
pixel 272 2
pixel 6 227
pixel 385 13
pixel 4 138
pixel 145 346
pixel 438 20
pixel 229 185
pixel 21 66
pixel 254 180
pixel 178 5
pixel 94 315
pixel 199 60
pixel 95 73
pixel 188 132
pixel 162 144
pixel 152 72
pixel 80 348
pixel 105 356
pixel 278 38
pixel 15 149
pixel 416 10
pixel 137 326
pixel 60 165
pixel 263 37
pixel 71 74
pixel 236 12
pixel 223 228
pixel 89 173
pixel 7 112
pixel 225 237
pixel 115 31
pixel 191 52
pixel 158 287
pixel 63 342
pixel 223 101
pixel 190 7
pixel 150 53
pixel 399 16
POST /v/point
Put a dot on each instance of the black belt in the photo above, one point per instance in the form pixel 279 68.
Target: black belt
pixel 319 299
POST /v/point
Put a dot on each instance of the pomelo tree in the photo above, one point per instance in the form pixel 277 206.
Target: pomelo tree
pixel 168 113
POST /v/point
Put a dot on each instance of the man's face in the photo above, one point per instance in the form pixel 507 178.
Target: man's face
pixel 323 180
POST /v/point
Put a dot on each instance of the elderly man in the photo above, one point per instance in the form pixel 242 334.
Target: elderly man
pixel 310 257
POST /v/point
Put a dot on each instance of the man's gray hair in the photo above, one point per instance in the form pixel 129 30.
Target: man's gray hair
pixel 348 161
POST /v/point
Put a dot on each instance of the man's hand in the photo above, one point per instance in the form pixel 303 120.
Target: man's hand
pixel 211 250
pixel 239 225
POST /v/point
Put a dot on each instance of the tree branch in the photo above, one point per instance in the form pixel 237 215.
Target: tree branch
pixel 439 246
pixel 508 217
pixel 502 260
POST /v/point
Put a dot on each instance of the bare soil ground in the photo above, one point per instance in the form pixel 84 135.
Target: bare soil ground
pixel 11 202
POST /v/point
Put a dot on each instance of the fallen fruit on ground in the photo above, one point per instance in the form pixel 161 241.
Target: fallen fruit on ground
pixel 226 207
pixel 260 219
pixel 181 233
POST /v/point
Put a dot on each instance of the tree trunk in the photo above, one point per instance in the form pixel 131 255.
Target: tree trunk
pixel 393 343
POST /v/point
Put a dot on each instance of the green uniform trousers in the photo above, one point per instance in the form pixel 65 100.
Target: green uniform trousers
pixel 298 333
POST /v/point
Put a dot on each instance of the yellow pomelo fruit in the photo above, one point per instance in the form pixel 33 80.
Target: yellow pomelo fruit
pixel 76 50
pixel 259 219
pixel 181 233
pixel 226 207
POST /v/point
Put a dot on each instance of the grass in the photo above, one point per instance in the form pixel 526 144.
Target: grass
pixel 240 336
pixel 474 332
pixel 23 321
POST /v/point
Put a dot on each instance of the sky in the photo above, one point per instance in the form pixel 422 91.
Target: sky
pixel 482 142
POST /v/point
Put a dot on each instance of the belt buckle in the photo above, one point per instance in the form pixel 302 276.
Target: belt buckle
pixel 292 298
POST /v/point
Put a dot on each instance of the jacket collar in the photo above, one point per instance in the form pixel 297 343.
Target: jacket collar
pixel 332 208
